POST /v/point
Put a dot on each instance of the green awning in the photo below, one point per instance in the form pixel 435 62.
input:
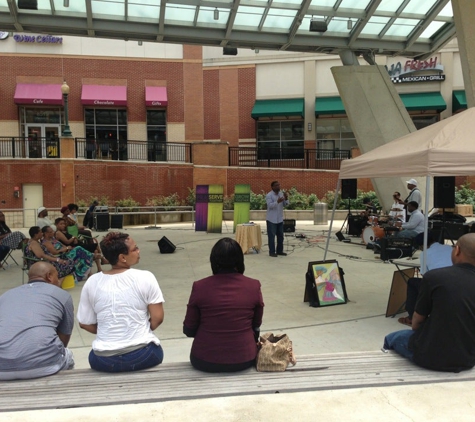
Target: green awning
pixel 329 105
pixel 278 108
pixel 412 102
pixel 459 100
pixel 423 101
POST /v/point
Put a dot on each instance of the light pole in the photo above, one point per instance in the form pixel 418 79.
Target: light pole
pixel 65 91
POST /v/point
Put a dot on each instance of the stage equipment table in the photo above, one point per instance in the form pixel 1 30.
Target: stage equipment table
pixel 249 237
pixel 398 291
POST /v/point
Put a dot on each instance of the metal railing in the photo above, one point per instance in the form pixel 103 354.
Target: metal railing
pixel 123 150
pixel 29 147
pixel 287 158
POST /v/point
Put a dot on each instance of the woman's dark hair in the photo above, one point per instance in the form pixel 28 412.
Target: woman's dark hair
pixel 59 219
pixel 44 229
pixel 226 255
pixel 73 207
pixel 34 231
pixel 113 245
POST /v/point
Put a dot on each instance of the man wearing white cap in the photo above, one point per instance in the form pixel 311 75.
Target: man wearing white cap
pixel 414 195
pixel 43 219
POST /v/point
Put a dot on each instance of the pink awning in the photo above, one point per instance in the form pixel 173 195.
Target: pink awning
pixel 104 95
pixel 38 94
pixel 156 96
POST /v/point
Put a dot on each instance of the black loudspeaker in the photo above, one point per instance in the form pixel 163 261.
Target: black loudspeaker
pixel 318 26
pixel 230 51
pixel 289 226
pixel 166 246
pixel 117 221
pixel 28 4
pixel 355 225
pixel 444 192
pixel 339 236
pixel 348 189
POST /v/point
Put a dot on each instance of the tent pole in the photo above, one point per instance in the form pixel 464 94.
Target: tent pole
pixel 426 226
pixel 333 217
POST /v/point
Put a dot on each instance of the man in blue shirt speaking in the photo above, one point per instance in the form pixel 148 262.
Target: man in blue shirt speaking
pixel 276 201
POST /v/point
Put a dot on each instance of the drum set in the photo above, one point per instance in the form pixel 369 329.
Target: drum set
pixel 377 227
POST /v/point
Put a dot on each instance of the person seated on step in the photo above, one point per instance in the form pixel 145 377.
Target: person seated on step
pixel 224 313
pixel 414 226
pixel 438 256
pixel 122 306
pixel 36 322
pixel 443 324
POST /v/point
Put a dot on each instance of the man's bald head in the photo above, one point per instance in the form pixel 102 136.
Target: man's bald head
pixel 464 250
pixel 44 271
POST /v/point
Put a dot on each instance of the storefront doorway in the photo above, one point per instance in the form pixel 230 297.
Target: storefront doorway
pixel 42 140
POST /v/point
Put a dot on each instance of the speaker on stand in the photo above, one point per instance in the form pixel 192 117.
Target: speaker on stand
pixel 166 246
pixel 348 188
pixel 444 192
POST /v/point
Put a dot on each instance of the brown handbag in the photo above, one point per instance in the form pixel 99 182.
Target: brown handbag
pixel 275 353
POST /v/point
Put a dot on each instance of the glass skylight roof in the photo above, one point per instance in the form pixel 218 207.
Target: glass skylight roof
pixel 423 26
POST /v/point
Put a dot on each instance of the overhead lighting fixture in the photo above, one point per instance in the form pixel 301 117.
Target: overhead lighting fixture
pixel 256 50
pixel 140 42
pixel 66 3
pixel 216 14
pixel 317 25
pixel 349 24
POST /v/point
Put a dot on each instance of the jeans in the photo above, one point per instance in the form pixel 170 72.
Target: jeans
pixel 148 356
pixel 273 230
pixel 413 287
pixel 399 342
pixel 408 234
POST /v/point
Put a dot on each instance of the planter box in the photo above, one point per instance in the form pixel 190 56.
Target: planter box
pixel 465 210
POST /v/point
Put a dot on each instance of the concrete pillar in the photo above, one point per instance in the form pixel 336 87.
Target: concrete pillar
pixel 310 84
pixel 377 116
pixel 464 16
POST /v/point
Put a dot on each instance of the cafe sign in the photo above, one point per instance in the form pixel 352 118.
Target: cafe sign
pixel 416 71
pixel 38 39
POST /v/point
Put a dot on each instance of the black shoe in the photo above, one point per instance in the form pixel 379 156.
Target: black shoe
pixel 273 255
pixel 281 253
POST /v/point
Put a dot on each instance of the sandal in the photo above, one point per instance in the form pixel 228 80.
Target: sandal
pixel 405 321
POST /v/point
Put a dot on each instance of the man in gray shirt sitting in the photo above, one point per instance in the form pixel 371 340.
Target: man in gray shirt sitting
pixel 36 321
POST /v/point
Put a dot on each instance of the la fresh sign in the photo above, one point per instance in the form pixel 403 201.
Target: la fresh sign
pixel 416 71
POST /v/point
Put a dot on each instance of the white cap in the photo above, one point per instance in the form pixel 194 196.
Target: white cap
pixel 41 209
pixel 412 182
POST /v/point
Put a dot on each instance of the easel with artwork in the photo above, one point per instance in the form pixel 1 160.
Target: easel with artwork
pixel 324 284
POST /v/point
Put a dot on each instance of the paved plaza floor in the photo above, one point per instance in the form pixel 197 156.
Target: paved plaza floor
pixel 359 325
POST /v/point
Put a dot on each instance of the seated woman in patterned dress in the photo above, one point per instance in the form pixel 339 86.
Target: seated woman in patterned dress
pixel 8 238
pixel 81 258
pixel 34 252
pixel 68 239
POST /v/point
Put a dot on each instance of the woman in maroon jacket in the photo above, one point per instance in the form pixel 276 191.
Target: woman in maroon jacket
pixel 224 313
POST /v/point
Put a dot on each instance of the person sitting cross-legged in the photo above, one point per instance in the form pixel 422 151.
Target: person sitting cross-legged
pixel 443 325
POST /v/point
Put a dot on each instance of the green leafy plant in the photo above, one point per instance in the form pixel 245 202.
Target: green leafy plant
pixel 464 194
pixel 128 205
pixel 258 201
pixel 85 203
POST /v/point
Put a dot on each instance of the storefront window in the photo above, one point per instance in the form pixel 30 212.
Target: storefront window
pixel 104 124
pixel 280 139
pixel 420 122
pixel 157 135
pixel 335 134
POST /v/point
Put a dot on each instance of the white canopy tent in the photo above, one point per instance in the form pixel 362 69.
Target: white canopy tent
pixel 446 148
